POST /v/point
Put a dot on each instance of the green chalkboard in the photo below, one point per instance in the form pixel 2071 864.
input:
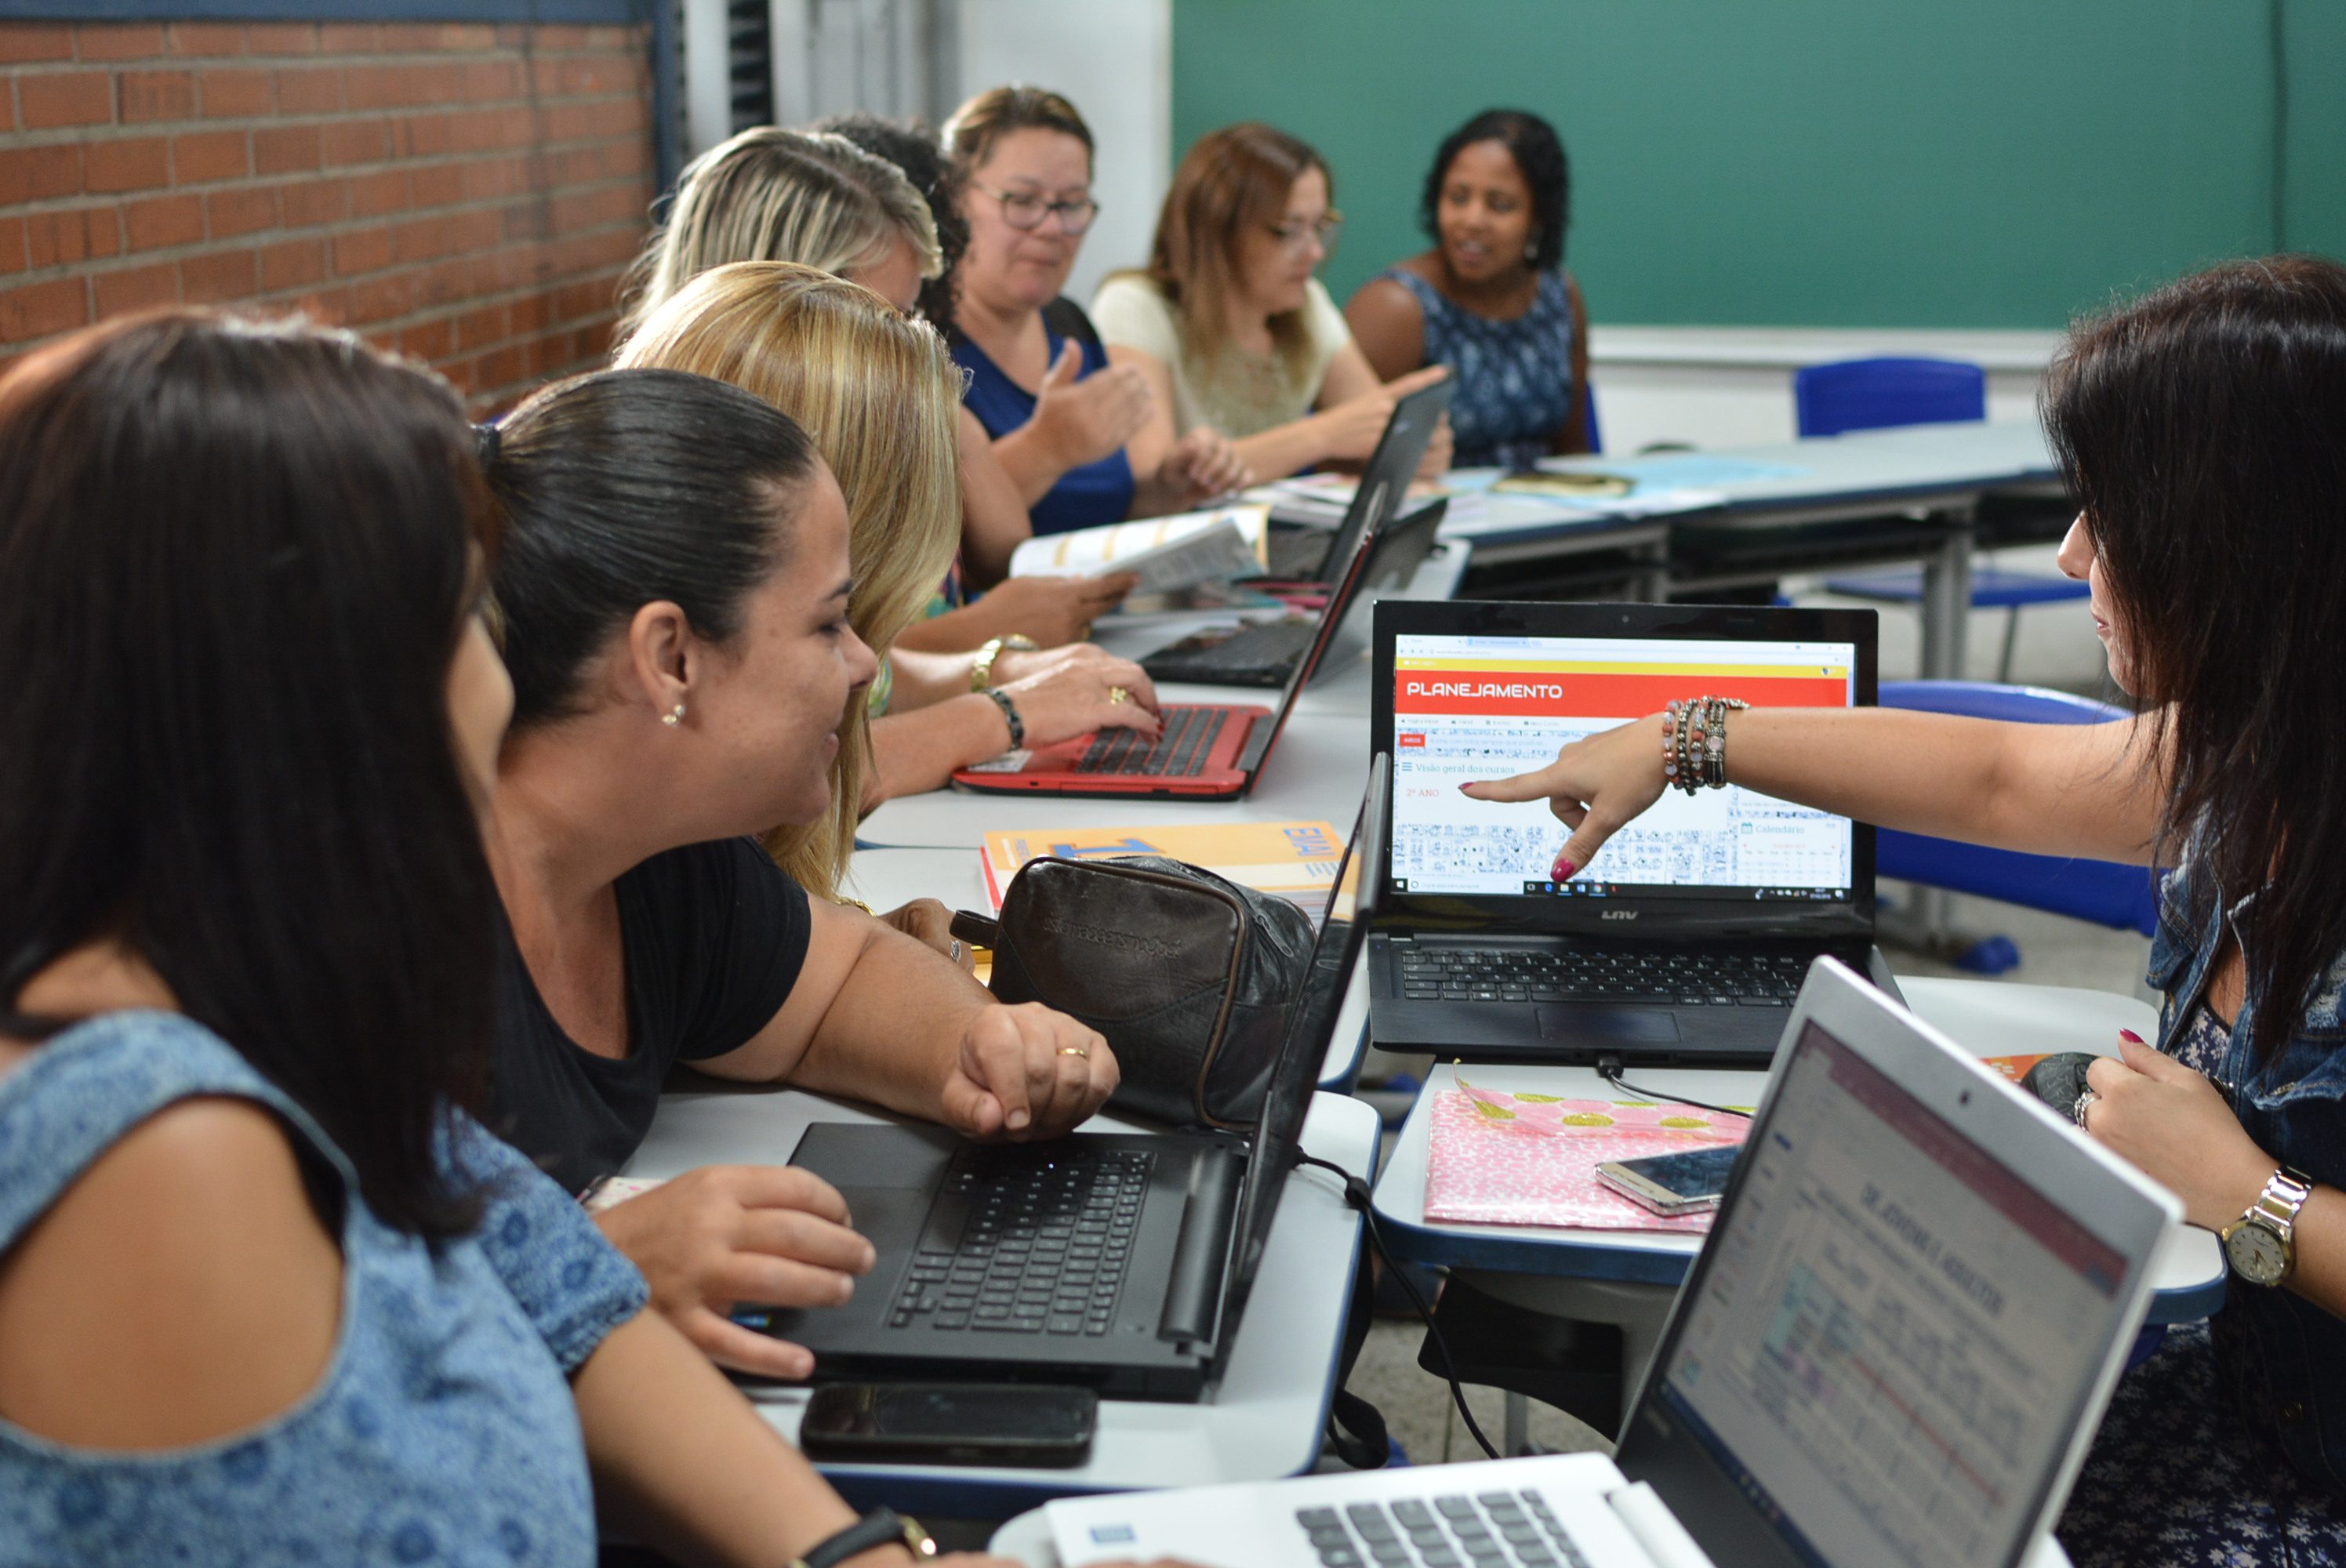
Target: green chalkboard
pixel 1926 163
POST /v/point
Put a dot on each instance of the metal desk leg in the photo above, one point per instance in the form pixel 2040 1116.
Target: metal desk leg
pixel 1947 601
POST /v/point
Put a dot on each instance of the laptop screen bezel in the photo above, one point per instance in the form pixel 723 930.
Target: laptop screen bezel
pixel 2114 1204
pixel 1272 1153
pixel 1384 482
pixel 1682 914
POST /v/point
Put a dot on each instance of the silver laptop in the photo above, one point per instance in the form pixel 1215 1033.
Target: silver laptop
pixel 1893 1349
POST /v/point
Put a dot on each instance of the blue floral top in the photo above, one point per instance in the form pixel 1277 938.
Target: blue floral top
pixel 2280 1358
pixel 442 1431
pixel 1514 378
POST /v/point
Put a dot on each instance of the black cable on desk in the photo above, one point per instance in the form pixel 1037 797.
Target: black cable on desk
pixel 1357 1196
pixel 1608 1068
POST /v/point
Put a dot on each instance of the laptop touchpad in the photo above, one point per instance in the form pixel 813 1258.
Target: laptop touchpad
pixel 1630 1025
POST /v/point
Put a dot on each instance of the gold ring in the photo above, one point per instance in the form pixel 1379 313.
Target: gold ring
pixel 1084 633
pixel 1117 694
pixel 1075 1051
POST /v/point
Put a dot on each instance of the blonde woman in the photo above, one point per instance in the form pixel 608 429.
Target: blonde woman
pixel 880 395
pixel 772 195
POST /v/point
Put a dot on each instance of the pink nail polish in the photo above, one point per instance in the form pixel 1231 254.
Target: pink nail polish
pixel 2130 1034
pixel 1562 870
pixel 1470 784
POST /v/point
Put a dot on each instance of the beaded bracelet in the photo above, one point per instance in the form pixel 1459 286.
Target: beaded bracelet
pixel 1693 742
pixel 1009 714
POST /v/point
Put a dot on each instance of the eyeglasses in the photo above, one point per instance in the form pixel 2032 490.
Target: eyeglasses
pixel 1296 235
pixel 1024 210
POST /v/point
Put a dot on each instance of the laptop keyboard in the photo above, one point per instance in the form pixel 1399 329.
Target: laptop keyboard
pixel 1488 1530
pixel 1042 1245
pixel 1264 647
pixel 1648 975
pixel 1183 744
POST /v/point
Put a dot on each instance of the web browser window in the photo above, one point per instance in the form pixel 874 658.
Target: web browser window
pixel 1896 1332
pixel 1468 707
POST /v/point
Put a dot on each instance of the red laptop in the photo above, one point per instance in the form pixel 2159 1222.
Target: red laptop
pixel 1204 753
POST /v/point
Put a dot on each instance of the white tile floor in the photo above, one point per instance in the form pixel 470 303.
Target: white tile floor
pixel 2055 647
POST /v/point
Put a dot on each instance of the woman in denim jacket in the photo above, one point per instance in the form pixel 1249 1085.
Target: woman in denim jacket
pixel 2203 431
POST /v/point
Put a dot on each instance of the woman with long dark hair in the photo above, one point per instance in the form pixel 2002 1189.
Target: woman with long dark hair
pixel 268 1295
pixel 2200 431
pixel 1492 299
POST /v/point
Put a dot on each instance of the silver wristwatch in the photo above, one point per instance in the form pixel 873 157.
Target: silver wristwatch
pixel 2261 1245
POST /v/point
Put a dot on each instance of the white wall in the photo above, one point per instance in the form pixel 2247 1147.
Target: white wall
pixel 1113 59
pixel 1732 386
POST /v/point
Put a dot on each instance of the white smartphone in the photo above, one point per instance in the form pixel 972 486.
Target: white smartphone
pixel 1686 1182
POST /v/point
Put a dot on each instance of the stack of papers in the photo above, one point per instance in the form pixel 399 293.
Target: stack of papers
pixel 1169 554
pixel 1296 860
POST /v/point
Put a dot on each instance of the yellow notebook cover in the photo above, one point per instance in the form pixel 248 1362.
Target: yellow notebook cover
pixel 1295 859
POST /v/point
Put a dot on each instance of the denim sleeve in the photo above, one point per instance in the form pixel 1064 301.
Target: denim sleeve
pixel 571 1283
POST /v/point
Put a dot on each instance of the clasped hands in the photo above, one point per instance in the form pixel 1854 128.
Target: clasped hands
pixel 724 1237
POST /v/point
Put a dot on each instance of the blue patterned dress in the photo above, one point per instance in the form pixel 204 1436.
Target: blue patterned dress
pixel 442 1433
pixel 1514 378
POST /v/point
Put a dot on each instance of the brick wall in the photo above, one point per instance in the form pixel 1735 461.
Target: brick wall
pixel 467 193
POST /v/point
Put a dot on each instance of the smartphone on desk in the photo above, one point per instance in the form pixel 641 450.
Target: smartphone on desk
pixel 1686 1182
pixel 1020 1424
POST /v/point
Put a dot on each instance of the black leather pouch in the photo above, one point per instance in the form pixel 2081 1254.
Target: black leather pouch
pixel 1191 978
pixel 2059 1080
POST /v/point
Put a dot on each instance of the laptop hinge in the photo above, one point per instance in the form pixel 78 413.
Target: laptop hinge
pixel 1193 1295
pixel 1648 1518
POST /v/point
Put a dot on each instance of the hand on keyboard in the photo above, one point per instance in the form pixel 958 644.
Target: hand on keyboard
pixel 1027 1071
pixel 1062 693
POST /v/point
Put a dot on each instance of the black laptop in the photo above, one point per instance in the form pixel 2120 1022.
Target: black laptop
pixel 1317 554
pixel 1265 653
pixel 1687 939
pixel 1121 1261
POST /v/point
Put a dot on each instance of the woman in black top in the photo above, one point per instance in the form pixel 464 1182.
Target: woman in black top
pixel 674 585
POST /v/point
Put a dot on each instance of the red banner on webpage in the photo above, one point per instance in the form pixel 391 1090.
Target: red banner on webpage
pixel 1512 694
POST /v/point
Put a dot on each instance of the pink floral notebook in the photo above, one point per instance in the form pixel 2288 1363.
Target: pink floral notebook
pixel 1497 1158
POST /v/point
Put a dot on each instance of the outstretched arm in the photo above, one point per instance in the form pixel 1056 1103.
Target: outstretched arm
pixel 2046 789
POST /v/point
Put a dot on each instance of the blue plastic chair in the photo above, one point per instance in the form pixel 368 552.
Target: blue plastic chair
pixel 1880 393
pixel 2124 898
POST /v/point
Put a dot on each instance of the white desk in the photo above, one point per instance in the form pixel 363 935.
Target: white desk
pixel 1317 768
pixel 1941 470
pixel 885 878
pixel 1264 1420
pixel 1627 1278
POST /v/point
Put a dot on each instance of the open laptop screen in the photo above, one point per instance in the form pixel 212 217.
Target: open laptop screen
pixel 1310 1030
pixel 1895 1333
pixel 1476 706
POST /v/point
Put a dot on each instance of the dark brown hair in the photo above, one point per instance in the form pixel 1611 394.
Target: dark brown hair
pixel 238 557
pixel 1231 179
pixel 2203 431
pixel 629 486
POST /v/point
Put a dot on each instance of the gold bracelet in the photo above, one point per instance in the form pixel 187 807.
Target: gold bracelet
pixel 981 667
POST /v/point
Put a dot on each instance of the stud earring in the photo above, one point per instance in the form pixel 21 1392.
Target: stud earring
pixel 674 717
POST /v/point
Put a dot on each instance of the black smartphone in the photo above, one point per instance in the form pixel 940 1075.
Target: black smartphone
pixel 1023 1424
pixel 1686 1182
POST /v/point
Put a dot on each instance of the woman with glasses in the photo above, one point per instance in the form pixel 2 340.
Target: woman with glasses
pixel 1491 300
pixel 1040 380
pixel 2198 428
pixel 1227 325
